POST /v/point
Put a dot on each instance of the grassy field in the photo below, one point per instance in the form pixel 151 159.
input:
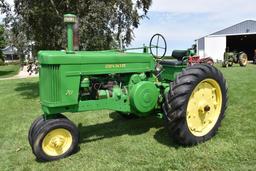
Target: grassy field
pixel 109 142
pixel 9 70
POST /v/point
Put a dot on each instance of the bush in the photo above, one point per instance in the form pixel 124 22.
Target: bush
pixel 1 62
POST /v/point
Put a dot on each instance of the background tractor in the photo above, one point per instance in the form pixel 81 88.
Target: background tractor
pixel 191 100
pixel 230 58
pixel 190 56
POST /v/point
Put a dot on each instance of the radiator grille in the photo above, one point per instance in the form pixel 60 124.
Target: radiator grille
pixel 50 83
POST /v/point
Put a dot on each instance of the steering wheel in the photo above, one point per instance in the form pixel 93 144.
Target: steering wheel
pixel 158 46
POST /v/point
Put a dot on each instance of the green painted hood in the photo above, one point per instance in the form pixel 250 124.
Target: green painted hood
pixel 93 57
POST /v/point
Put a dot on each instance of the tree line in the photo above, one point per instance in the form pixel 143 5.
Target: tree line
pixel 101 22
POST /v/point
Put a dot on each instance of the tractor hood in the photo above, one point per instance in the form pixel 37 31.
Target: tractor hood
pixel 93 57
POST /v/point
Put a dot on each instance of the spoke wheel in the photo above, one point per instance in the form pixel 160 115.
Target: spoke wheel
pixel 195 104
pixel 158 46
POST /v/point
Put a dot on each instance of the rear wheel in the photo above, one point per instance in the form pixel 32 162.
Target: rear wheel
pixel 196 104
pixel 243 59
pixel 210 62
pixel 55 139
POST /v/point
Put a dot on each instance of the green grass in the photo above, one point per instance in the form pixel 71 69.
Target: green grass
pixel 109 142
pixel 9 70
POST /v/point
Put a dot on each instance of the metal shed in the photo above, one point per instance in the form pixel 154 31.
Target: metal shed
pixel 239 37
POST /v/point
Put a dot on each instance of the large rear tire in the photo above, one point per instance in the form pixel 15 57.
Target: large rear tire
pixel 196 104
pixel 210 62
pixel 243 59
pixel 207 60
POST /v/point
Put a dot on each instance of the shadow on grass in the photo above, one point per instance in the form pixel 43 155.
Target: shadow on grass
pixel 164 138
pixel 121 126
pixel 4 73
pixel 28 90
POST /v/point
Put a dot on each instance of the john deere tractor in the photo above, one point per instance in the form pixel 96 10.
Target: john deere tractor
pixel 190 56
pixel 191 100
pixel 230 58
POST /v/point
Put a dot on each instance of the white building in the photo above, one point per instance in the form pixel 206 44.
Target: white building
pixel 10 54
pixel 240 37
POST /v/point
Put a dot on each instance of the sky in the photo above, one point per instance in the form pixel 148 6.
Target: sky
pixel 182 22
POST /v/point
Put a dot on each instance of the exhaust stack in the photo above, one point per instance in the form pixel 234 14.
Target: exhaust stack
pixel 70 20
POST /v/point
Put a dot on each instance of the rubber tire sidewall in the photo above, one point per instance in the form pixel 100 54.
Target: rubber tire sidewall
pixel 181 123
pixel 216 126
pixel 210 62
pixel 239 60
pixel 45 129
pixel 35 124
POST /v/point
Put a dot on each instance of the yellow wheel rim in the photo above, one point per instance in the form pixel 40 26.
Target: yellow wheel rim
pixel 244 59
pixel 57 142
pixel 204 107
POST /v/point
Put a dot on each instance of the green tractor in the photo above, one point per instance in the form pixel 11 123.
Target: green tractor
pixel 190 56
pixel 191 100
pixel 230 58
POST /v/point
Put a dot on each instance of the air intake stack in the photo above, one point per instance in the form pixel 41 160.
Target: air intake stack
pixel 70 20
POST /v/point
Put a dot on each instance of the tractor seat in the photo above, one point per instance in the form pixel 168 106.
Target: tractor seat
pixel 178 56
pixel 171 62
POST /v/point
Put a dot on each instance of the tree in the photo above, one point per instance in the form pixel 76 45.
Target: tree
pixel 4 9
pixel 2 41
pixel 101 21
pixel 2 38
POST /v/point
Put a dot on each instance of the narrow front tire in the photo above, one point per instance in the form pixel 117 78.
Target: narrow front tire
pixel 55 139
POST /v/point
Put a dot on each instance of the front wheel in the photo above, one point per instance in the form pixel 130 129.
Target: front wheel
pixel 36 124
pixel 227 64
pixel 196 104
pixel 55 139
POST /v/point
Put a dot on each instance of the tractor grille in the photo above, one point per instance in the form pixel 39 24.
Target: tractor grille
pixel 50 83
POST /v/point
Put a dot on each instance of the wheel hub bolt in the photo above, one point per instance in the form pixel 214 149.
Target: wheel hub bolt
pixel 207 108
